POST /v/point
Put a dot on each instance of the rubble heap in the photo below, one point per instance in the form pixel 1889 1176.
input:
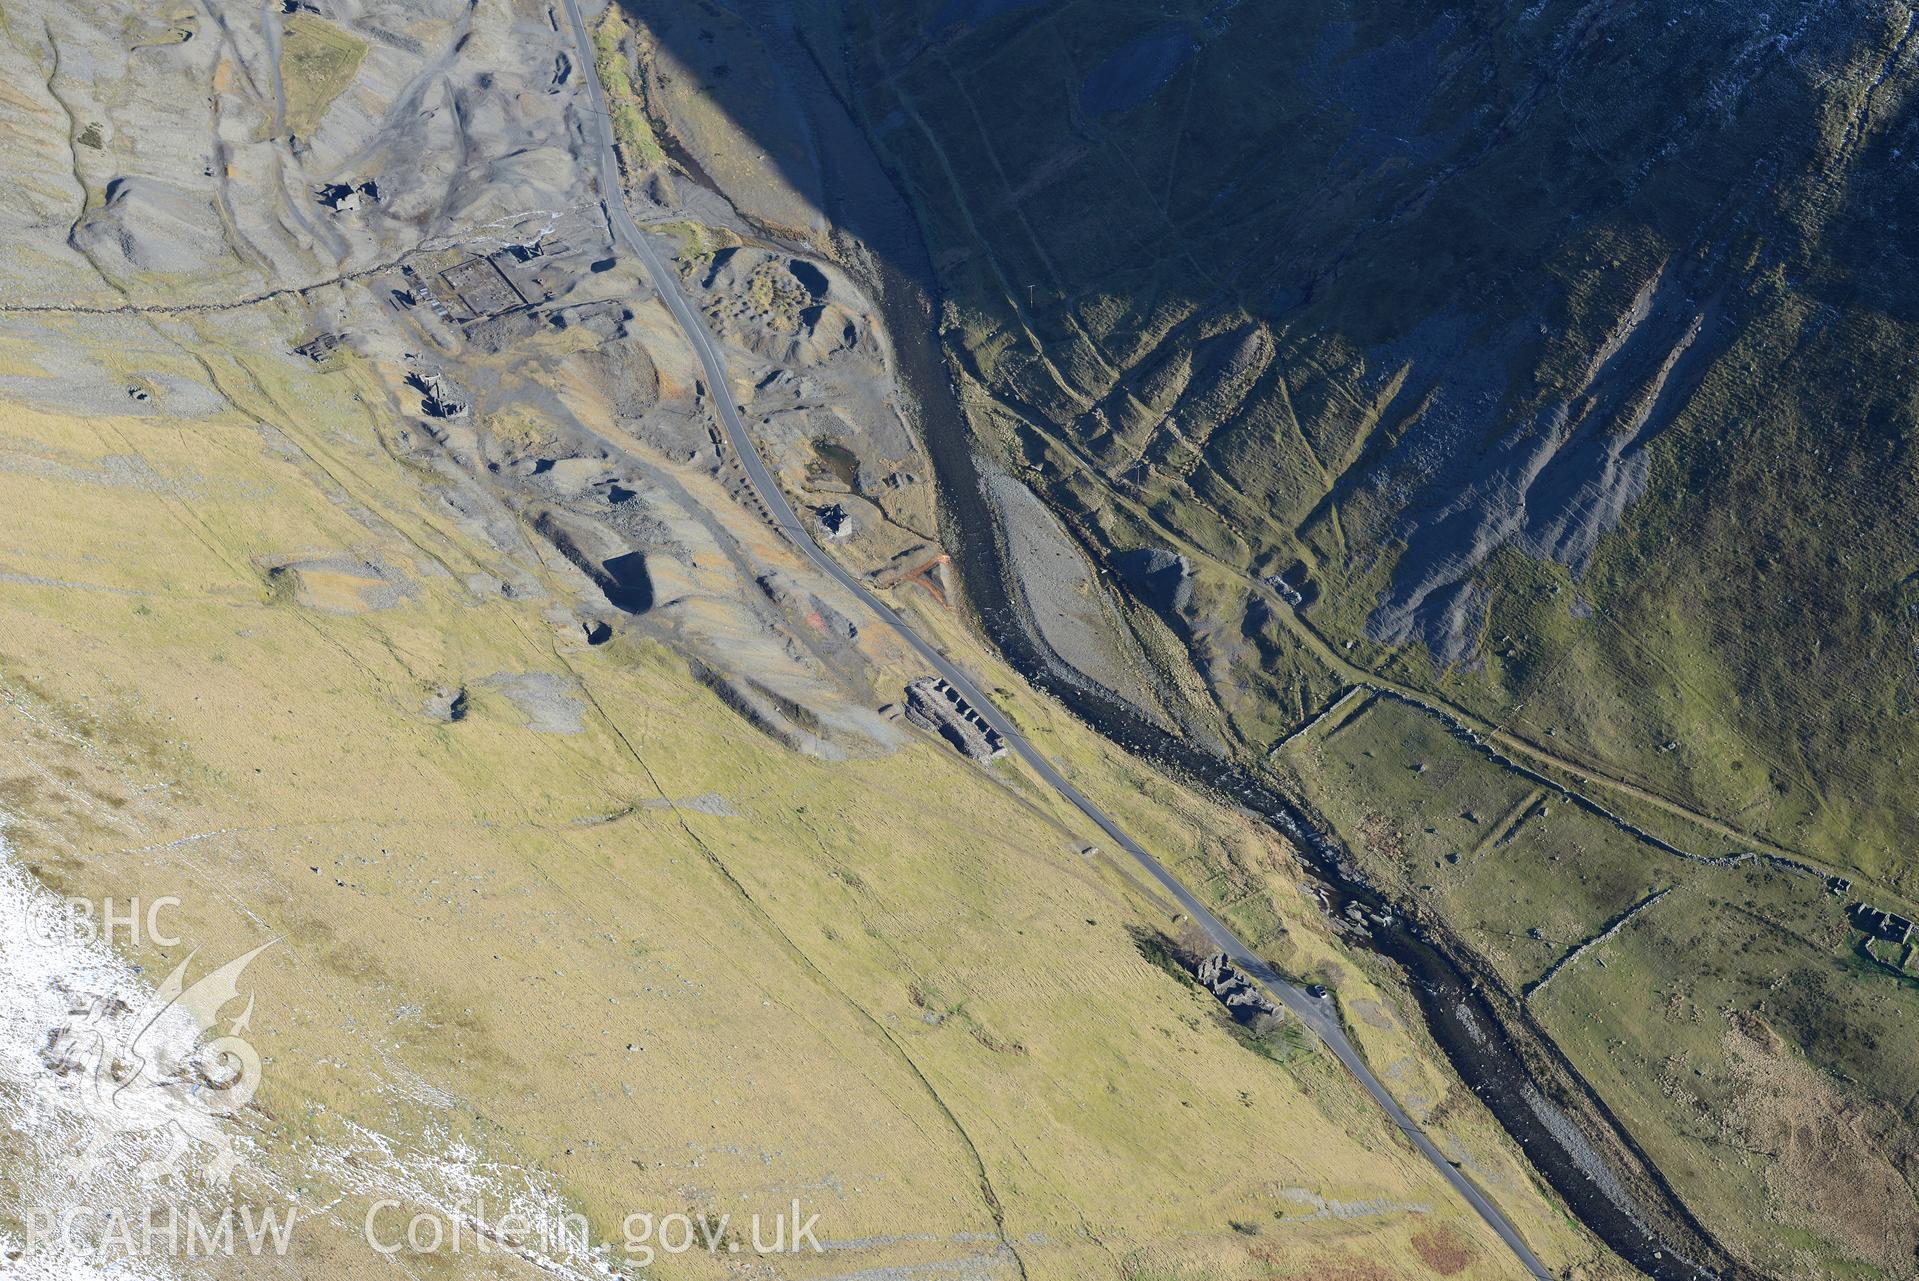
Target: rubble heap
pixel 1235 991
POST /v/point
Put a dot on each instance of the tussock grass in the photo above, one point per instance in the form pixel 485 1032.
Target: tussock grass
pixel 318 60
pixel 639 148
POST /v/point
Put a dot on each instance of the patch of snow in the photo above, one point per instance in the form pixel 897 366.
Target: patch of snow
pixel 103 1091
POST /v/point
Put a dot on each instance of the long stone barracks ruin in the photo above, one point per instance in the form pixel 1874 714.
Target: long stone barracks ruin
pixel 934 705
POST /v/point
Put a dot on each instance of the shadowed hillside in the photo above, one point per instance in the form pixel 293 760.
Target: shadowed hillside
pixel 1563 351
pixel 1544 366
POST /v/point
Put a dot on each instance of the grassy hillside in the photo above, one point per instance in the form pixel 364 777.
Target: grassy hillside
pixel 597 936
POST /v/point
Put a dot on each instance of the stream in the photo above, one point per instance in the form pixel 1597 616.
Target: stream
pixel 1458 1014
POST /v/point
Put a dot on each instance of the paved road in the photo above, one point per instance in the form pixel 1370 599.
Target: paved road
pixel 1315 1014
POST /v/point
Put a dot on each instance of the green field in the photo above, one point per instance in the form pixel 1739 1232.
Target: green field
pixel 1729 1013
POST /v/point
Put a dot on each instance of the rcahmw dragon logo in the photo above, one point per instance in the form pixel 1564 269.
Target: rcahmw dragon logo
pixel 159 1075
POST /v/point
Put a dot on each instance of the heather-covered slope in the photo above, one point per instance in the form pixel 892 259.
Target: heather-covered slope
pixel 1562 356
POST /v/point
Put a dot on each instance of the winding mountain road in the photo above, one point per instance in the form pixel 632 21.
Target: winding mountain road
pixel 1317 1014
